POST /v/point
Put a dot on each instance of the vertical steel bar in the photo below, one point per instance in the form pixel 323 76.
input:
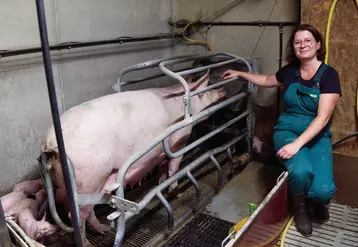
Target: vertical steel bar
pixel 5 240
pixel 169 209
pixel 196 184
pixel 56 119
pixel 220 173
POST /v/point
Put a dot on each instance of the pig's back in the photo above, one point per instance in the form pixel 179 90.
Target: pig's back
pixel 104 132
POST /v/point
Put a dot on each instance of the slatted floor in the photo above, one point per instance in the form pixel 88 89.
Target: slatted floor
pixel 340 231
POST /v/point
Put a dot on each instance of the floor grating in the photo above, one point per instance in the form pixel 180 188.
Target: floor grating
pixel 202 231
pixel 340 231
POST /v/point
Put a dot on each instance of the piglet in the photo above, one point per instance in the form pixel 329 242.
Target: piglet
pixel 36 230
pixel 29 187
pixel 258 145
pixel 10 200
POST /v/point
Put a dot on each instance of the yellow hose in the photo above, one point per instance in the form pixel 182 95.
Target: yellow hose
pixel 285 232
pixel 326 62
pixel 196 41
pixel 328 28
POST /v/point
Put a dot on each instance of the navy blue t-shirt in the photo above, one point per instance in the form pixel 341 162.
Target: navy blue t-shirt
pixel 330 82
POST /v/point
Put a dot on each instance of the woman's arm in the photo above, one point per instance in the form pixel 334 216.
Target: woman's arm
pixel 257 79
pixel 326 105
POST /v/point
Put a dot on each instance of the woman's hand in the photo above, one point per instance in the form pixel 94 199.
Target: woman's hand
pixel 229 74
pixel 289 150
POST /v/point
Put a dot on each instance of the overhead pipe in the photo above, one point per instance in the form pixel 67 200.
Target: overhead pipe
pixel 56 120
pixel 73 45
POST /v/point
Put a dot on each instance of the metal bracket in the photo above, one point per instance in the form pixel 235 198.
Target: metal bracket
pixel 123 204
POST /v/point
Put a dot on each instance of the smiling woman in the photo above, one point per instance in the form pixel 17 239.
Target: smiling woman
pixel 302 137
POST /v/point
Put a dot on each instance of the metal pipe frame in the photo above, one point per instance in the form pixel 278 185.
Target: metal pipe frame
pixel 184 83
pixel 259 23
pixel 152 64
pixel 199 141
pixel 187 121
pixel 71 193
pixel 182 173
pixel 132 208
pixel 74 45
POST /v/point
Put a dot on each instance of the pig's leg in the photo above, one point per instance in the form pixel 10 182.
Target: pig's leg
pixel 177 141
pixel 92 221
pixel 95 225
pixel 163 171
pixel 172 169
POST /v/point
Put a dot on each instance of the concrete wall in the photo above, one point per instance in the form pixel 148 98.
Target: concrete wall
pixel 80 74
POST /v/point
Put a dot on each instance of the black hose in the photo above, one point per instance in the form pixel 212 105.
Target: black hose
pixel 56 119
pixel 344 139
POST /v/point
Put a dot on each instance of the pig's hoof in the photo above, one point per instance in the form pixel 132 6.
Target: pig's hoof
pixel 87 243
pixel 174 190
pixel 101 229
pixel 162 179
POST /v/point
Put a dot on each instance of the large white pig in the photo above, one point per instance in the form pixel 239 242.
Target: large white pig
pixel 101 134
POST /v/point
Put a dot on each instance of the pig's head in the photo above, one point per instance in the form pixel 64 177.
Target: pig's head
pixel 205 99
pixel 43 229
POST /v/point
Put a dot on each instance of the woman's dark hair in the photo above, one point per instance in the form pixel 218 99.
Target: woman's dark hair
pixel 290 53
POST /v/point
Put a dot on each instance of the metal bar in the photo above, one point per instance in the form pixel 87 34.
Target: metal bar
pixel 202 139
pixel 5 240
pixel 196 184
pixel 74 45
pixel 216 85
pixel 220 174
pixel 140 66
pixel 179 78
pixel 169 210
pixel 178 175
pixel 50 195
pixel 56 120
pixel 211 66
pixel 123 83
pixel 246 23
pixel 231 162
pixel 278 95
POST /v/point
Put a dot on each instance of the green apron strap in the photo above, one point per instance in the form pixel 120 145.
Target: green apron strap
pixel 317 78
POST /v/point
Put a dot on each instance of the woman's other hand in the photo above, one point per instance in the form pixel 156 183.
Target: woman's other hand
pixel 287 151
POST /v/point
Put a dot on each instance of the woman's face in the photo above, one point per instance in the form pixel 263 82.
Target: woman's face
pixel 305 45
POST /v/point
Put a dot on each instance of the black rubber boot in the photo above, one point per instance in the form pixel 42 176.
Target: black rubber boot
pixel 318 211
pixel 302 220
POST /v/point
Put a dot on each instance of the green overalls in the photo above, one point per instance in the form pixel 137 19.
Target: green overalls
pixel 311 169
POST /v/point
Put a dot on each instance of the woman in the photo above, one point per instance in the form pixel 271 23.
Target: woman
pixel 302 138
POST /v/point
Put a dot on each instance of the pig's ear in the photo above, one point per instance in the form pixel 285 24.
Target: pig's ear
pixel 44 217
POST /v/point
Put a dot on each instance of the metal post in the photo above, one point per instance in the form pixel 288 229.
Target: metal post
pixel 56 119
pixel 5 240
pixel 279 67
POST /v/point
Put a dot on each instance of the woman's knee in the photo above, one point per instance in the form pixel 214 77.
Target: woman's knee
pixel 300 172
pixel 322 192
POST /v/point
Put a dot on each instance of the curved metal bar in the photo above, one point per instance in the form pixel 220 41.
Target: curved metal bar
pixel 220 173
pixel 196 185
pixel 145 65
pixel 50 195
pixel 193 165
pixel 202 139
pixel 169 210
